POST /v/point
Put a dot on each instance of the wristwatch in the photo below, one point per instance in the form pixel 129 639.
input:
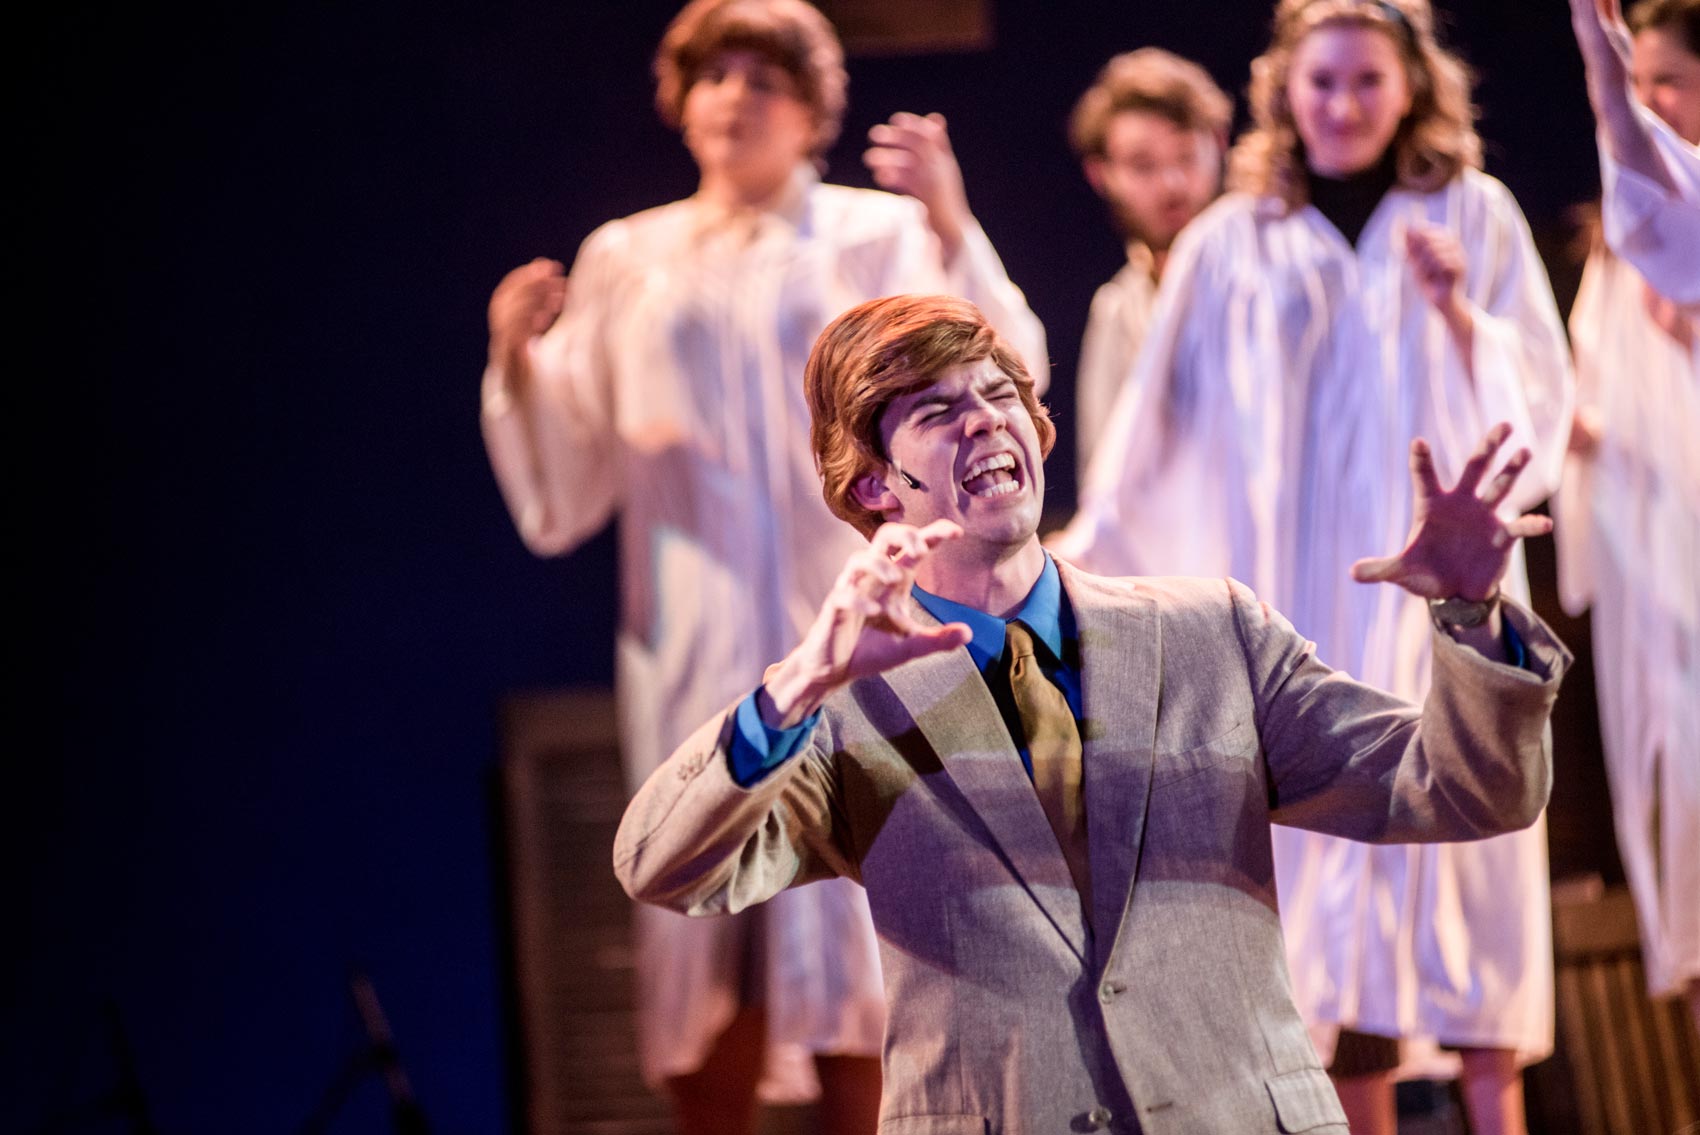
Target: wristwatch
pixel 1462 613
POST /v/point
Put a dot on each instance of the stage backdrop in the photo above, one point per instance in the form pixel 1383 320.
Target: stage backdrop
pixel 274 593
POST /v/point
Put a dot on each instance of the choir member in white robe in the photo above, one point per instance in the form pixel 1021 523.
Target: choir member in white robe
pixel 1262 434
pixel 1648 164
pixel 661 382
pixel 1629 513
pixel 1151 134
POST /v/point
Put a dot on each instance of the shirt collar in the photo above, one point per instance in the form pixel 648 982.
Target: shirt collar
pixel 1042 611
pixel 786 207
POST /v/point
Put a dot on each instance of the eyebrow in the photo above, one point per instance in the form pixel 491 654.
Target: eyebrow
pixel 938 398
pixel 922 401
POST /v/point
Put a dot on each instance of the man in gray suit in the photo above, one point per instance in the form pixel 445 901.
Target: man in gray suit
pixel 1077 921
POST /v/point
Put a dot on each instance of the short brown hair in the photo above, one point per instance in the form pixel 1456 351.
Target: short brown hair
pixel 1435 142
pixel 1155 81
pixel 791 33
pixel 1680 16
pixel 879 351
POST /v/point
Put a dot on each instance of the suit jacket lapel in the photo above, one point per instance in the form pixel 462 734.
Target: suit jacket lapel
pixel 1120 683
pixel 948 701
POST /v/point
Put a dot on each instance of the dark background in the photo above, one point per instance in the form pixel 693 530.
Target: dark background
pixel 270 594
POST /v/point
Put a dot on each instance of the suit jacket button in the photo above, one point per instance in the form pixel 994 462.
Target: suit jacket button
pixel 1108 990
pixel 1099 1117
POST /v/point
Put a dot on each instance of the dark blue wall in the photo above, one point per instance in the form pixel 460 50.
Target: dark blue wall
pixel 278 594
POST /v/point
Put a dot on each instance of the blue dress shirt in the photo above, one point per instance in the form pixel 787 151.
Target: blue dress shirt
pixel 757 749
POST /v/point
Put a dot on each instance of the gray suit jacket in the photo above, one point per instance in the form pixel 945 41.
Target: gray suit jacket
pixel 1206 718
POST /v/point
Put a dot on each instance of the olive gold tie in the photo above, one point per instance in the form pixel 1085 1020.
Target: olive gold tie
pixel 1053 744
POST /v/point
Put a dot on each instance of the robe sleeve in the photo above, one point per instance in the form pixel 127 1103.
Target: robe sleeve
pixel 1572 506
pixel 1656 232
pixel 1521 363
pixel 977 275
pixel 1125 524
pixel 549 431
pixel 1106 355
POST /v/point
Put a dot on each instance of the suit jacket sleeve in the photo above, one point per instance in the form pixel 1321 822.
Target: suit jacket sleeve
pixel 1351 760
pixel 694 840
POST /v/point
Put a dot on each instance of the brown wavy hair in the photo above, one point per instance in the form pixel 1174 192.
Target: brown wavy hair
pixel 1152 80
pixel 879 351
pixel 1680 16
pixel 1434 144
pixel 790 33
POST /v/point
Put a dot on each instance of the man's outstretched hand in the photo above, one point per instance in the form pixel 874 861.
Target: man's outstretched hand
pixel 863 628
pixel 1459 546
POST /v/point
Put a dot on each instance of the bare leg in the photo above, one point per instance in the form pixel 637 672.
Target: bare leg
pixel 1693 998
pixel 1368 1100
pixel 720 1097
pixel 849 1094
pixel 1493 1091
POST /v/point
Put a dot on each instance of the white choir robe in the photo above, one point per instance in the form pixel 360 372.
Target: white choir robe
pixel 670 392
pixel 1264 434
pixel 1655 231
pixel 1628 529
pixel 1115 327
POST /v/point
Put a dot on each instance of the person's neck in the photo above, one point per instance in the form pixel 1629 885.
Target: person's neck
pixel 1147 257
pixel 994 581
pixel 744 191
pixel 1349 199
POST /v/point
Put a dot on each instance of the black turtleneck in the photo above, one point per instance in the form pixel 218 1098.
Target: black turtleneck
pixel 1348 201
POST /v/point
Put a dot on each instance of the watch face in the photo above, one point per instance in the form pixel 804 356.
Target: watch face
pixel 1457 612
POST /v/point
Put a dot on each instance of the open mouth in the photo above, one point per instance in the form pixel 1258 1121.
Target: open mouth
pixel 992 476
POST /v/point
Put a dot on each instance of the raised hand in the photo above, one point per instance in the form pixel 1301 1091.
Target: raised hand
pixel 911 154
pixel 864 626
pixel 1459 546
pixel 1668 316
pixel 1437 261
pixel 1603 38
pixel 1587 430
pixel 525 303
pixel 1607 62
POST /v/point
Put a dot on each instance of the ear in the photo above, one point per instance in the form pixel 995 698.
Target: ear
pixel 1093 166
pixel 871 493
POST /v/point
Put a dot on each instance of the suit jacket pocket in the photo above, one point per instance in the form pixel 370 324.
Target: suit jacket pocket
pixel 1305 1101
pixel 935 1125
pixel 1189 762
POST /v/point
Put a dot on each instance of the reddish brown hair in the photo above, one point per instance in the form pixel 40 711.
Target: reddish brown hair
pixel 791 33
pixel 879 351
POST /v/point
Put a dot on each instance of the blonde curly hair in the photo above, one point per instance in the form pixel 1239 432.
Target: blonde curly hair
pixel 1434 144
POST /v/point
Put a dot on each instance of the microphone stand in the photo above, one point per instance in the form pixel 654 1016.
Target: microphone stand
pixel 378 1056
